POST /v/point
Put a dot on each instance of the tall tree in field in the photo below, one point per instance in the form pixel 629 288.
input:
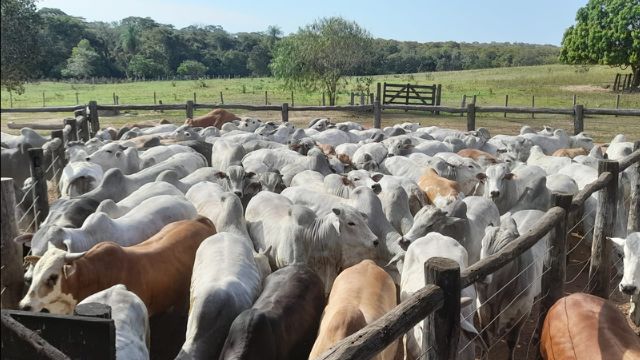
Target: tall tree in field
pixel 320 55
pixel 606 32
pixel 19 53
pixel 83 62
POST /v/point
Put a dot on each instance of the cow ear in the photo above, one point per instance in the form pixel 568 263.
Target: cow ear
pixel 481 176
pixel 336 211
pixel 24 239
pixel 377 177
pixel 377 189
pixel 509 176
pixel 617 241
pixel 31 259
pixel 68 270
pixel 249 174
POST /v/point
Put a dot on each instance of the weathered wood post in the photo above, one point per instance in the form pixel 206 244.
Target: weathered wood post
pixel 292 102
pixel 377 110
pixel 155 98
pixel 41 204
pixel 578 119
pixel 266 97
pixel 285 112
pixel 533 105
pixel 555 265
pixel 438 97
pixel 73 134
pixel 633 225
pixel 362 101
pixel 93 116
pixel 95 310
pixel 323 99
pixel 471 117
pixel 59 154
pixel 83 131
pixel 10 251
pixel 442 328
pixel 506 103
pixel 617 102
pixel 463 104
pixel 195 101
pixel 601 248
pixel 616 82
pixel 189 109
pixel 352 98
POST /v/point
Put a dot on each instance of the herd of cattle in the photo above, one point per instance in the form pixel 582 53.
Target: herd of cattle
pixel 280 241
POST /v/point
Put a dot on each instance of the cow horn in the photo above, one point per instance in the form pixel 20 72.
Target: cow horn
pixel 71 257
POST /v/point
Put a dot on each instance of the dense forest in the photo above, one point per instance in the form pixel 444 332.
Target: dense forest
pixel 70 47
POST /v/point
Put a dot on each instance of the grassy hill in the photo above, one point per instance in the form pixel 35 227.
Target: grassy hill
pixel 552 86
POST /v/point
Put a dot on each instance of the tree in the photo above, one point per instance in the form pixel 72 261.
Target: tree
pixel 143 67
pixel 606 32
pixel 19 53
pixel 322 54
pixel 83 61
pixel 192 68
pixel 258 61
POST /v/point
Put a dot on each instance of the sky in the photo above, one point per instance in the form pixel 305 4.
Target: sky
pixel 538 22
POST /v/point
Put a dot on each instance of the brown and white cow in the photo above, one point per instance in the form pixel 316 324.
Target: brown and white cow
pixel 570 153
pixel 440 191
pixel 481 157
pixel 360 295
pixel 582 326
pixel 216 117
pixel 158 270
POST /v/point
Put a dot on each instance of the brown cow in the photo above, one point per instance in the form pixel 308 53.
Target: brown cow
pixel 440 191
pixel 570 153
pixel 582 326
pixel 483 158
pixel 216 117
pixel 360 295
pixel 158 270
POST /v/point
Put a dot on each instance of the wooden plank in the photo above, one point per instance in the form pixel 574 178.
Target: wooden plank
pixel 633 225
pixel 619 112
pixel 39 346
pixel 606 212
pixel 94 119
pixel 442 327
pixel 585 193
pixel 425 108
pixel 471 117
pixel 629 160
pixel 523 110
pixel 333 108
pixel 372 339
pixel 142 107
pixel 42 109
pixel 34 126
pixel 10 252
pixel 514 249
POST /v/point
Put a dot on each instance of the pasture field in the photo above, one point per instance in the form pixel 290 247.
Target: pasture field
pixel 552 86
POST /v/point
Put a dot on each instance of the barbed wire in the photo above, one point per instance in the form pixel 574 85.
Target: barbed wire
pixel 586 262
pixel 26 193
pixel 424 352
pixel 580 241
pixel 505 308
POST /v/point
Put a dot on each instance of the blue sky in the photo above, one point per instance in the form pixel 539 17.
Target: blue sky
pixel 540 22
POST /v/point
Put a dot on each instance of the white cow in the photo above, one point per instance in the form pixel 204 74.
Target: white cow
pixel 130 318
pixel 146 191
pixel 114 155
pixel 549 144
pixel 139 224
pixel 550 164
pixel 369 156
pixel 161 153
pixel 79 177
pixel 421 250
pixel 630 283
pixel 225 154
pixel 520 189
pixel 297 235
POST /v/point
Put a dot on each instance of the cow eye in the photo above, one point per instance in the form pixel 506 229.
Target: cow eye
pixel 351 223
pixel 109 151
pixel 52 280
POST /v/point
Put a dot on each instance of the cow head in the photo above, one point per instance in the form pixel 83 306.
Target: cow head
pixel 272 181
pixel 430 219
pixel 48 288
pixel 495 183
pixel 630 283
pixel 355 237
pixel 113 155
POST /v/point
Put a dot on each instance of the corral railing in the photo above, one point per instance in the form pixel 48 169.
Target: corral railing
pixel 436 301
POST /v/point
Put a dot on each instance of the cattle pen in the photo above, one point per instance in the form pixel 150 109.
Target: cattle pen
pixel 438 302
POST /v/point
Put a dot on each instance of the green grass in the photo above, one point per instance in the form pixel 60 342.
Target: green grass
pixel 552 86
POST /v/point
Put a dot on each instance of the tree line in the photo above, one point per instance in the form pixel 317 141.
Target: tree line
pixel 67 46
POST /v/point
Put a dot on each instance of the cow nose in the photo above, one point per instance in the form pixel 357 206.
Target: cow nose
pixel 628 289
pixel 495 194
pixel 375 242
pixel 87 158
pixel 238 193
pixel 45 310
pixel 26 308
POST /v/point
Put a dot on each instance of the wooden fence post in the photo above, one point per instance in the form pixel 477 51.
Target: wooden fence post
pixel 352 97
pixel 10 251
pixel 93 115
pixel 506 103
pixel 285 112
pixel 73 134
pixel 94 310
pixel 362 98
pixel 77 100
pixel 471 117
pixel 292 102
pixel 463 104
pixel 43 102
pixel 37 172
pixel 601 247
pixel 189 109
pixel 438 97
pixel 633 225
pixel 377 110
pixel 221 98
pixel 555 261
pixel 323 99
pixel 616 82
pixel 617 103
pixel 83 129
pixel 266 97
pixel 442 328
pixel 195 101
pixel 155 101
pixel 533 105
pixel 578 119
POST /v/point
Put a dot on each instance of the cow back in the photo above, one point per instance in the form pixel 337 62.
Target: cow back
pixel 582 326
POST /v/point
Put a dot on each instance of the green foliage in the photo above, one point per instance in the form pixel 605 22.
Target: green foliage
pixel 192 68
pixel 142 67
pixel 83 61
pixel 322 53
pixel 19 43
pixel 606 32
